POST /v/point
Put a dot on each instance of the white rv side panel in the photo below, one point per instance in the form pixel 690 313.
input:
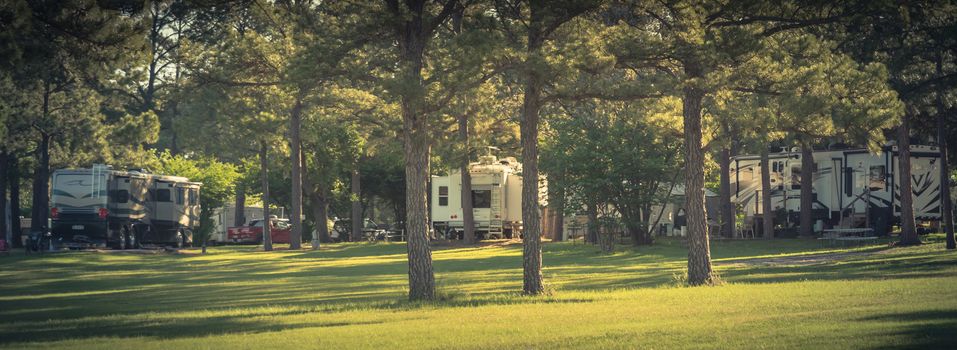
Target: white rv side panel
pixel 513 199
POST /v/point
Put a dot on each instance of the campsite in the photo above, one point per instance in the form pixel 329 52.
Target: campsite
pixel 478 174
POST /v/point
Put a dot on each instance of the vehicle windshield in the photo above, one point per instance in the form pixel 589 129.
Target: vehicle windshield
pixel 78 192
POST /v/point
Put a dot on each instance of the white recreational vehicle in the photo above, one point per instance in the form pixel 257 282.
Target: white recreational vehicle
pixel 852 187
pixel 122 209
pixel 496 198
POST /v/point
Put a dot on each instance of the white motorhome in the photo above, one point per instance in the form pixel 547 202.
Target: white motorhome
pixel 496 198
pixel 852 187
pixel 123 209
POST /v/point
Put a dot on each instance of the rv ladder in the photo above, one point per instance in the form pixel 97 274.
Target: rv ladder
pixel 495 212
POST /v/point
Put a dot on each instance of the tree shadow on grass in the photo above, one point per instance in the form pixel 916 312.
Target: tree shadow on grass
pixel 859 268
pixel 166 329
pixel 247 321
pixel 929 329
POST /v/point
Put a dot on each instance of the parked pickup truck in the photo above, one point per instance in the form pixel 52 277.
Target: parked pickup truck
pixel 253 233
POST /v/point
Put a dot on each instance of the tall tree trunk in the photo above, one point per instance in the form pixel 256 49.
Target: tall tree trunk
pixel 807 189
pixel 421 276
pixel 908 229
pixel 41 185
pixel 468 216
pixel 295 157
pixel 946 207
pixel 5 234
pixel 14 181
pixel 417 146
pixel 699 249
pixel 767 218
pixel 239 219
pixel 356 216
pixel 533 283
pixel 264 177
pixel 724 195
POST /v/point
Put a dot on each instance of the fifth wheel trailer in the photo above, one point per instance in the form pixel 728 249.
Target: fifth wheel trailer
pixel 122 209
pixel 496 198
pixel 851 187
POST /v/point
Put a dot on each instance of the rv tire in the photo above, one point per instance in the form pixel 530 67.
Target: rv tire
pixel 121 242
pixel 180 239
pixel 131 239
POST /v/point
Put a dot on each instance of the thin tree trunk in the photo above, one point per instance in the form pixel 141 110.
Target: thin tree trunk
pixel 41 185
pixel 6 234
pixel 592 234
pixel 320 214
pixel 767 218
pixel 14 181
pixel 356 216
pixel 724 195
pixel 295 157
pixel 239 219
pixel 320 208
pixel 559 213
pixel 468 216
pixel 606 238
pixel 699 249
pixel 807 189
pixel 264 175
pixel 646 236
pixel 908 229
pixel 946 207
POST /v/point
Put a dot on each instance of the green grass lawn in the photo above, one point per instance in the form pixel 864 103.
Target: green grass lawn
pixel 777 294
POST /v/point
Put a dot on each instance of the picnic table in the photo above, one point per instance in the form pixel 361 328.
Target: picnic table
pixel 845 235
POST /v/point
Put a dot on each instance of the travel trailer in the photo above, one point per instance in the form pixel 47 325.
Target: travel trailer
pixel 122 209
pixel 496 198
pixel 852 187
pixel 225 217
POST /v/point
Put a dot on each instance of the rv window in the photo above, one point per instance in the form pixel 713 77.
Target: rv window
pixel 162 195
pixel 878 178
pixel 180 195
pixel 481 198
pixel 121 196
pixel 443 196
pixel 193 196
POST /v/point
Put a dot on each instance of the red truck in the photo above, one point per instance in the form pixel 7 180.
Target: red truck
pixel 253 233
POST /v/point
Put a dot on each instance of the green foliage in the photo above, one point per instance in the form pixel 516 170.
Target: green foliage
pixel 619 155
pixel 218 180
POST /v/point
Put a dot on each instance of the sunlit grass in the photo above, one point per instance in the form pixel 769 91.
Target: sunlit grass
pixel 353 296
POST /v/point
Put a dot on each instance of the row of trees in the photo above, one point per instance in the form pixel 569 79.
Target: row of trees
pixel 303 100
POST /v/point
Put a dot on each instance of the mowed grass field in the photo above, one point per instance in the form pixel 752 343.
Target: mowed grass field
pixel 782 294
